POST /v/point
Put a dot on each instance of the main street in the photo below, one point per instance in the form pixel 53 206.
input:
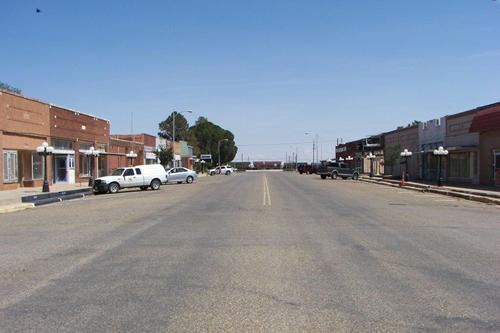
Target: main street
pixel 263 251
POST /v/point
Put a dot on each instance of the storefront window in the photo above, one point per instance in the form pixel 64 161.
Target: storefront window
pixel 84 165
pixel 459 165
pixel 9 166
pixel 85 145
pixel 62 144
pixel 37 166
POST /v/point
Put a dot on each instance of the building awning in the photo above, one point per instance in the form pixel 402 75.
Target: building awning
pixel 486 120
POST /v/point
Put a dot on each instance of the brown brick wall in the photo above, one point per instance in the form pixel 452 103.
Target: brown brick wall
pixel 489 142
pixel 24 125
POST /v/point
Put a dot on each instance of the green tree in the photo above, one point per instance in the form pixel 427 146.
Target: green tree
pixel 392 156
pixel 10 88
pixel 165 155
pixel 181 127
pixel 205 136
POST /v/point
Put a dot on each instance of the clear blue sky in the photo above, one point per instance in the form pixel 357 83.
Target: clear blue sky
pixel 266 70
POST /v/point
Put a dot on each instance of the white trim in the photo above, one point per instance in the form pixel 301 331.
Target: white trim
pixel 63 152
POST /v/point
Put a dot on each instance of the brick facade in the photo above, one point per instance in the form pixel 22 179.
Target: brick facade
pixel 24 125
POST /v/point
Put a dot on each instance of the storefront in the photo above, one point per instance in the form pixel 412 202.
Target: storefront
pixel 487 123
pixel 23 127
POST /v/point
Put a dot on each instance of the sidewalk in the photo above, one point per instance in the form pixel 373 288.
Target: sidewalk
pixel 468 192
pixel 10 200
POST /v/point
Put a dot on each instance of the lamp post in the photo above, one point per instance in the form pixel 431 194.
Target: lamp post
pixel 45 150
pixel 406 154
pixel 173 131
pixel 203 166
pixel 92 153
pixel 131 155
pixel 218 147
pixel 440 152
pixel 371 157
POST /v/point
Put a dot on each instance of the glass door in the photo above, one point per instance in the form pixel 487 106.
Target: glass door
pixel 60 171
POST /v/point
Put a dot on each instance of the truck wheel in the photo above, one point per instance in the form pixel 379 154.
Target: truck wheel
pixel 355 176
pixel 212 173
pixel 189 179
pixel 155 184
pixel 114 187
pixel 334 175
pixel 323 176
pixel 228 173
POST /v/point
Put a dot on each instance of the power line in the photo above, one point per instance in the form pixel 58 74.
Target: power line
pixel 282 143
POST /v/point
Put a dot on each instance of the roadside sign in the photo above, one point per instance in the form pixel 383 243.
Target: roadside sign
pixel 206 157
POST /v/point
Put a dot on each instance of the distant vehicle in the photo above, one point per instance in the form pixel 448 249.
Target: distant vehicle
pixel 221 170
pixel 308 168
pixel 181 175
pixel 142 176
pixel 302 168
pixel 335 169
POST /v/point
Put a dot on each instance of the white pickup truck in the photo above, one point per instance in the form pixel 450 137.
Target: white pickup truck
pixel 142 176
pixel 221 170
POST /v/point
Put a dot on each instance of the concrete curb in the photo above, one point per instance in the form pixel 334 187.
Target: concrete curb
pixel 15 207
pixel 429 189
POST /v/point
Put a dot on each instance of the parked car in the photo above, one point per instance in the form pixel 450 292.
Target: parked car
pixel 335 169
pixel 221 170
pixel 180 175
pixel 142 176
pixel 302 168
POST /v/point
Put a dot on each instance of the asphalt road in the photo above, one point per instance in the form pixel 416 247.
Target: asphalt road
pixel 252 252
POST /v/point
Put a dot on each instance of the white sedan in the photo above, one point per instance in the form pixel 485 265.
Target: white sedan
pixel 181 175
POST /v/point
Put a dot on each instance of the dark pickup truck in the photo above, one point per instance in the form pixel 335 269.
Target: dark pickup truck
pixel 308 168
pixel 337 169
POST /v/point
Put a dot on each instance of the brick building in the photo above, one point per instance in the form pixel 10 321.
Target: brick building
pixel 463 147
pixel 431 135
pixel 394 143
pixel 118 150
pixel 148 144
pixel 24 125
pixel 73 133
pixel 486 122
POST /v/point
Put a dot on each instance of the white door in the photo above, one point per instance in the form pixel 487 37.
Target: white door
pixel 129 178
pixel 71 168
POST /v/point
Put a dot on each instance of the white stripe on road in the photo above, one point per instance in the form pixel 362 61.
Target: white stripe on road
pixel 266 199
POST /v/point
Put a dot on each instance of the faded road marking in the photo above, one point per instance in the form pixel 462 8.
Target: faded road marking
pixel 266 198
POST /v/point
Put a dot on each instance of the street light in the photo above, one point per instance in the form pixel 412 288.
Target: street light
pixel 92 153
pixel 371 157
pixel 45 150
pixel 406 154
pixel 174 113
pixel 131 155
pixel 440 152
pixel 218 147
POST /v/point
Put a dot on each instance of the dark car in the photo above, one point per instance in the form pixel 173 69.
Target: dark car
pixel 308 168
pixel 335 169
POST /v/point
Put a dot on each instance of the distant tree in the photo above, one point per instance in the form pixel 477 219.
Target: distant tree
pixel 392 156
pixel 181 127
pixel 8 87
pixel 165 155
pixel 205 136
